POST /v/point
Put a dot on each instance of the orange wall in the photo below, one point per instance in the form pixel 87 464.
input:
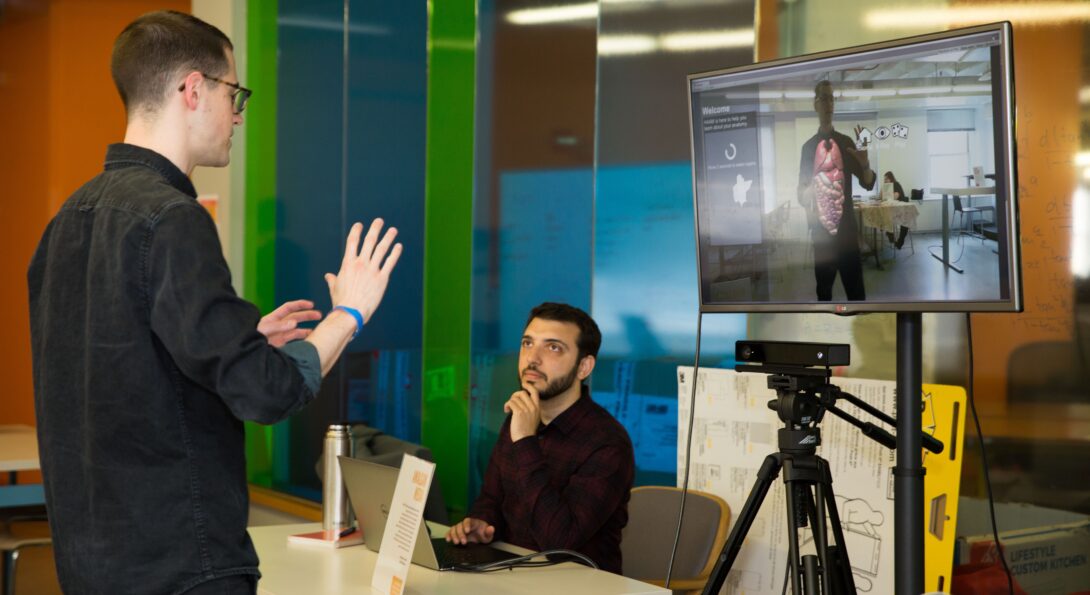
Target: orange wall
pixel 1047 63
pixel 58 111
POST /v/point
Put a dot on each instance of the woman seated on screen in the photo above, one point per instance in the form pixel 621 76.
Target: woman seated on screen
pixel 898 194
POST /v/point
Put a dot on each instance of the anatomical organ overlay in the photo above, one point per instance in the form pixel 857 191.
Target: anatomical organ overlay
pixel 829 184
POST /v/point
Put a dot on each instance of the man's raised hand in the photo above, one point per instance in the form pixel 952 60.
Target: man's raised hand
pixel 365 271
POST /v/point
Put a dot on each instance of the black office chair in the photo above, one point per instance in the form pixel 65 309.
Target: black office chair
pixel 971 213
pixel 917 193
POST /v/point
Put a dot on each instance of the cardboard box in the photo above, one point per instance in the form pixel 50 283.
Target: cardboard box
pixel 1047 550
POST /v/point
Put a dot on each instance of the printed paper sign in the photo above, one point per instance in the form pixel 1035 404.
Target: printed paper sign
pixel 402 526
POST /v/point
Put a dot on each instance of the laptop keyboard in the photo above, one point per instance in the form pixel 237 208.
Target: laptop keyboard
pixel 450 555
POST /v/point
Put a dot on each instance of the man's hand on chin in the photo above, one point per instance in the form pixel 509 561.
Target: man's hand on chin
pixel 525 409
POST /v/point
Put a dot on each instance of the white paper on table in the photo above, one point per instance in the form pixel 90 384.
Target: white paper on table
pixel 733 432
pixel 402 526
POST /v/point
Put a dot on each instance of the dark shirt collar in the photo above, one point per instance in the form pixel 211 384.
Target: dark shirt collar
pixel 569 419
pixel 120 155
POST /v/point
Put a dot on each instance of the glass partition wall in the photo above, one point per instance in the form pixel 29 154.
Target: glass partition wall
pixel 349 146
pixel 581 192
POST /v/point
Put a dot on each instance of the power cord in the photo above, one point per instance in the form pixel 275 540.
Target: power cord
pixel 688 451
pixel 984 457
pixel 526 561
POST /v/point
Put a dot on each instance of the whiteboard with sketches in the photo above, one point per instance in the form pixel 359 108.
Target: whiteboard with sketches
pixel 734 430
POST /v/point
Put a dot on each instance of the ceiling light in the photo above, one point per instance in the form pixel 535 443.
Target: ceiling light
pixel 972 88
pixel 620 45
pixel 687 41
pixel 932 17
pixel 553 14
pixel 869 92
pixel 924 90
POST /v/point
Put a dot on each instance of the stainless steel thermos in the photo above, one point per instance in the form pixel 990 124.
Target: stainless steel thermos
pixel 336 512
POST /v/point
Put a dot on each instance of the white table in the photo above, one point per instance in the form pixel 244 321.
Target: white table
pixel 19 452
pixel 290 569
pixel 18 448
pixel 886 216
pixel 946 194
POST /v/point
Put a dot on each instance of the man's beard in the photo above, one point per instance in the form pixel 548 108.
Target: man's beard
pixel 557 386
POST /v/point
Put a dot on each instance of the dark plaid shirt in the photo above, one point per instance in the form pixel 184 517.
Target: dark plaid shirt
pixel 567 487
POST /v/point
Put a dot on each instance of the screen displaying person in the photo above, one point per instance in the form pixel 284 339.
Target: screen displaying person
pixel 828 163
pixel 562 469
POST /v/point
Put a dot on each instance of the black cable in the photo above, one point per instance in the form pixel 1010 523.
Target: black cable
pixel 688 451
pixel 984 458
pixel 526 561
pixel 786 574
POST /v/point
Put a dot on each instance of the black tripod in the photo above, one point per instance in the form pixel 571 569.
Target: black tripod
pixel 803 394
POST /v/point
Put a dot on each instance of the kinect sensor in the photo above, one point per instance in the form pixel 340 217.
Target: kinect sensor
pixel 793 353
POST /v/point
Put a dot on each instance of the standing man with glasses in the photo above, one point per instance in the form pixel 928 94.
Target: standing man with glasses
pixel 145 361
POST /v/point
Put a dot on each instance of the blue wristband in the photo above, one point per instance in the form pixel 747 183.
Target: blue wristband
pixel 355 314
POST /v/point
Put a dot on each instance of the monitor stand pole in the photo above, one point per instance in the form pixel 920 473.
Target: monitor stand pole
pixel 908 521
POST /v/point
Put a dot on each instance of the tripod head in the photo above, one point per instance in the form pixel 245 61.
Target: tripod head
pixel 800 373
pixel 798 403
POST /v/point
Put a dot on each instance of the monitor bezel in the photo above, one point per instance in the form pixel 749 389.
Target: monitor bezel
pixel 1004 131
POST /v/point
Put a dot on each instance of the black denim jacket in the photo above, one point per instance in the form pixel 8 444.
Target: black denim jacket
pixel 145 364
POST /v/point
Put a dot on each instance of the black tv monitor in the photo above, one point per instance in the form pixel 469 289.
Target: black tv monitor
pixel 793 208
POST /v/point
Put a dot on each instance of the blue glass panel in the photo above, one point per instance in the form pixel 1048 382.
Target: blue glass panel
pixel 645 288
pixel 384 176
pixel 308 182
pixel 351 148
pixel 540 252
pixel 645 302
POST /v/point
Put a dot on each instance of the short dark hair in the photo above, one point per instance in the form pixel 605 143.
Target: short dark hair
pixel 152 50
pixel 820 84
pixel 590 338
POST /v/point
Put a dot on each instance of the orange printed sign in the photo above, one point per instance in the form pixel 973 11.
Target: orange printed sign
pixel 210 202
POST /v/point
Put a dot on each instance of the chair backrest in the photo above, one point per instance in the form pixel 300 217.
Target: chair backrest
pixel 652 522
pixel 917 194
pixel 957 203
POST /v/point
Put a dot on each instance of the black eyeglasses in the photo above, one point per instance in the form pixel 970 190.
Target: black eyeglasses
pixel 239 99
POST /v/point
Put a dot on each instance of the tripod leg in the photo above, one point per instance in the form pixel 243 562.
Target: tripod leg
pixel 816 514
pixel 765 476
pixel 792 528
pixel 821 540
pixel 841 564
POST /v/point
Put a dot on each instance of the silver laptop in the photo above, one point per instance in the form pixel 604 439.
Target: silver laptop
pixel 371 489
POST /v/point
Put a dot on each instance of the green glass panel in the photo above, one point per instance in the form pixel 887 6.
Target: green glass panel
pixel 448 243
pixel 260 164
